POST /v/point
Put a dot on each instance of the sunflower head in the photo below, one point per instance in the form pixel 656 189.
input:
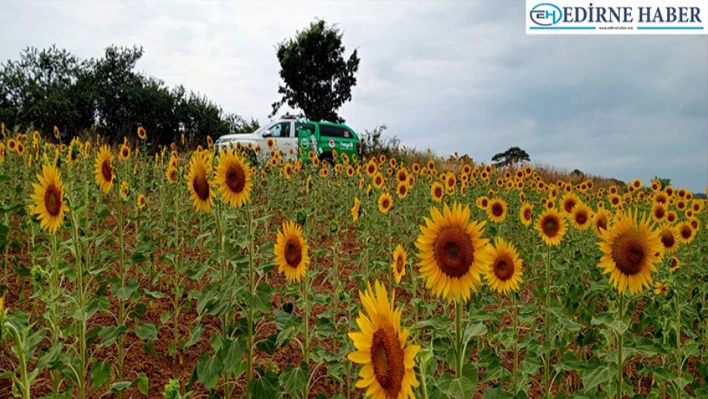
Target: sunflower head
pixel 526 214
pixel 103 169
pixel 142 134
pixel 568 202
pixel 199 182
pixel 437 191
pixel 482 202
pixel 551 226
pixel 49 203
pixel 382 348
pixel 450 246
pixel 674 264
pixel 601 220
pixel 356 209
pixel 141 201
pixel 631 247
pixel 581 216
pixel 398 266
pixel 291 252
pixel 502 266
pixel 661 288
pixel 496 211
pixel 686 233
pixel 233 177
pixel 385 202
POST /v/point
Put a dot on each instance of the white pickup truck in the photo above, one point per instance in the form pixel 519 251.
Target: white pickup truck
pixel 283 131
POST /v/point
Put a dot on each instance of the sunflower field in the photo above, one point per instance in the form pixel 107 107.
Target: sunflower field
pixel 195 274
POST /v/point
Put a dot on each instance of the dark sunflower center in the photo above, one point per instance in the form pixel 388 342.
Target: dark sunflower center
pixel 602 223
pixel 581 218
pixel 504 268
pixel 527 214
pixel 400 264
pixel 378 181
pixel 497 209
pixel 694 224
pixel 293 253
pixel 485 202
pixel 629 254
pixel 670 217
pixel 673 262
pixel 454 252
pixel 667 239
pixel 402 190
pixel 201 187
pixel 659 213
pixel 569 205
pixel 551 225
pixel 125 152
pixel 52 200
pixel 173 175
pixel 438 192
pixel 236 178
pixel 388 358
pixel 686 232
pixel 107 170
pixel 615 201
pixel 385 203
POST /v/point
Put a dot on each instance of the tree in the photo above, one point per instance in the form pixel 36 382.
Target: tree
pixel 511 157
pixel 318 80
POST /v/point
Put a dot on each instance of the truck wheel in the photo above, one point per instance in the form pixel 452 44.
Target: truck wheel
pixel 326 157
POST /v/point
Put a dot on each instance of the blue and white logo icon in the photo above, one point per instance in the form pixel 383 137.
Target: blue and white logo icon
pixel 546 14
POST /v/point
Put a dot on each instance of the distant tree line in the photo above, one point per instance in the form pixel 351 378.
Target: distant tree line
pixel 52 87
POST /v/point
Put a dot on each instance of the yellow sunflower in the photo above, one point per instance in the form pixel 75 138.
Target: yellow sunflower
pixel 371 168
pixel 601 220
pixel 482 202
pixel 450 246
pixel 399 263
pixel 378 180
pixel 661 288
pixel 674 264
pixel 103 169
pixel 171 174
pixel 49 203
pixel 551 226
pixel 382 348
pixel 630 249
pixel 581 216
pixel 568 202
pixel 686 233
pixel 142 134
pixel 291 252
pixel 124 190
pixel 200 186
pixel 526 214
pixel 141 201
pixel 437 191
pixel 233 176
pixel 658 212
pixel 402 190
pixel 502 266
pixel 124 152
pixel 356 209
pixel 669 240
pixel 497 210
pixel 385 202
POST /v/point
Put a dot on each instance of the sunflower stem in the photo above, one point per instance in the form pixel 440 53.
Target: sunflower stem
pixel 53 288
pixel 252 292
pixel 306 332
pixel 620 343
pixel 514 315
pixel 458 339
pixel 121 304
pixel 679 357
pixel 547 325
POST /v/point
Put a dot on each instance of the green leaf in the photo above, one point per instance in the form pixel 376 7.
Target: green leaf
pixel 286 336
pixel 265 387
pixel 324 328
pixel 143 384
pixel 124 293
pixel 594 377
pixel 109 334
pixel 100 374
pixel 230 354
pixel 474 330
pixel 294 379
pixel 120 386
pixel 194 334
pixel 456 387
pixel 146 332
pixel 208 370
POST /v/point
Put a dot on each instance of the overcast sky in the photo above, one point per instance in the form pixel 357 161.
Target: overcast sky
pixel 452 76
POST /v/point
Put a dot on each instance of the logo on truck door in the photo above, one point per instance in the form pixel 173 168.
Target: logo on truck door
pixel 331 143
